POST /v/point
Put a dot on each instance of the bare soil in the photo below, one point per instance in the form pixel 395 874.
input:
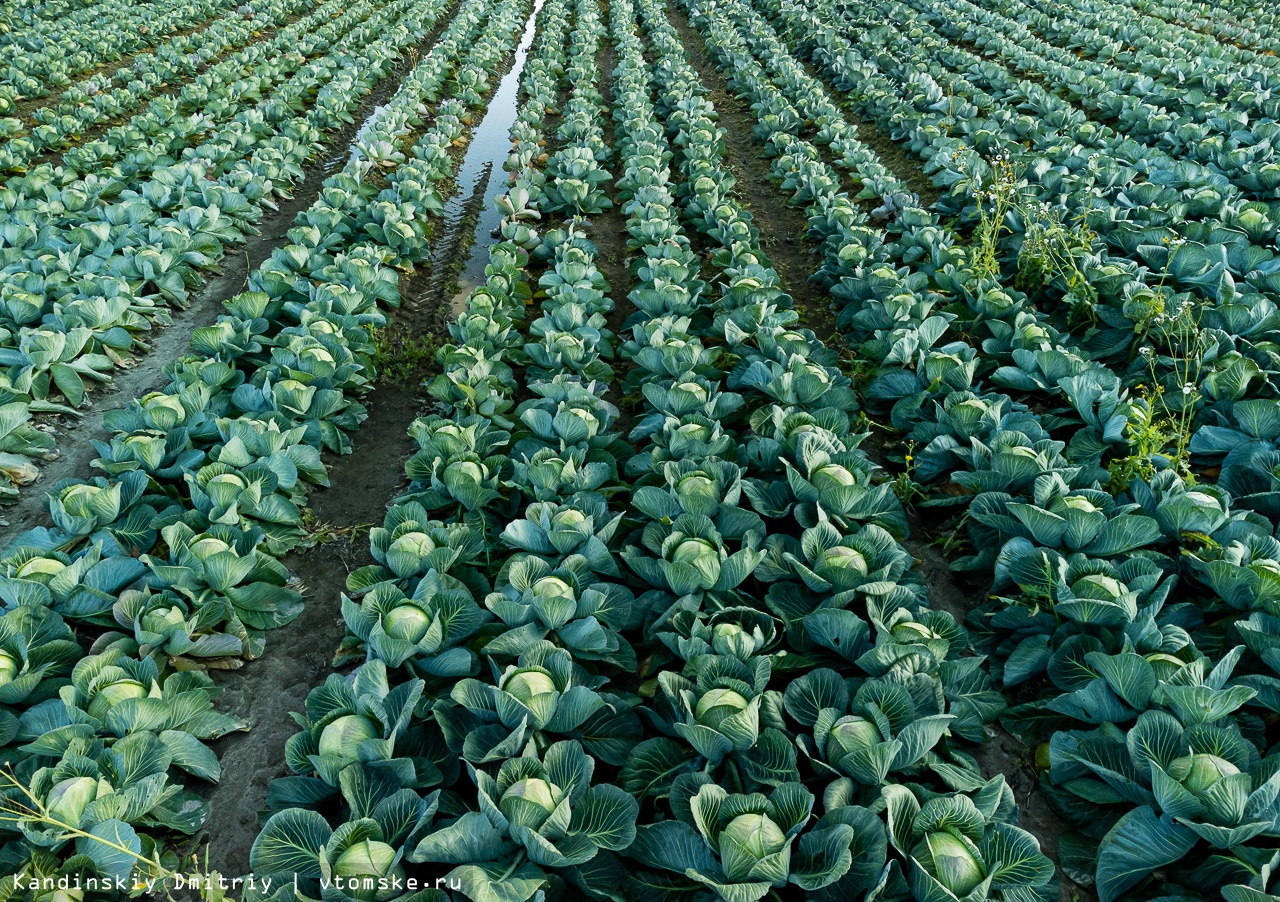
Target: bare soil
pixel 608 231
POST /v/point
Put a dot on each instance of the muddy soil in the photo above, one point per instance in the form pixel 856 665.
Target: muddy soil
pixel 608 231
pixel 299 657
pixel 470 223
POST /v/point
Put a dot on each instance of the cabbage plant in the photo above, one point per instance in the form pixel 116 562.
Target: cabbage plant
pixel 225 562
pixel 1181 773
pixel 840 566
pixel 535 601
pixel 363 719
pixel 425 631
pixel 827 482
pixel 561 534
pixel 867 734
pixel 540 813
pixel 37 652
pixel 125 783
pixel 542 694
pixel 965 847
pixel 162 623
pixel 689 554
pixel 125 695
pixel 80 508
pixel 410 544
pixel 739 632
pixel 745 846
pixel 363 860
pixel 717 711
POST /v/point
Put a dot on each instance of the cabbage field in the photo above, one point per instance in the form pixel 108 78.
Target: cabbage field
pixel 640 450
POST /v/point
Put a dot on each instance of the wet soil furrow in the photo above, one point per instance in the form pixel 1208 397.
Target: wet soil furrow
pixel 608 232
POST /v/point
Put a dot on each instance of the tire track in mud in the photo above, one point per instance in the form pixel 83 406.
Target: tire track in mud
pixel 782 232
pixel 168 342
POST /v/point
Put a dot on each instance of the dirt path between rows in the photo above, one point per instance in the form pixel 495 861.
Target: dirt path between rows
pixel 299 657
pixel 608 232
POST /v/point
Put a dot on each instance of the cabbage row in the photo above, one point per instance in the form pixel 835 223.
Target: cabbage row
pixel 643 625
pixel 1134 196
pixel 170 562
pixel 1083 564
pixel 1241 33
pixel 364 756
pixel 1239 22
pixel 159 136
pixel 1165 54
pixel 1235 137
pixel 43 57
pixel 17 20
pixel 724 553
pixel 1229 359
pixel 91 263
pixel 105 97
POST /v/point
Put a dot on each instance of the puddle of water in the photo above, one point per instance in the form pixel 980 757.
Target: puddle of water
pixel 363 132
pixel 481 174
pixel 459 301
